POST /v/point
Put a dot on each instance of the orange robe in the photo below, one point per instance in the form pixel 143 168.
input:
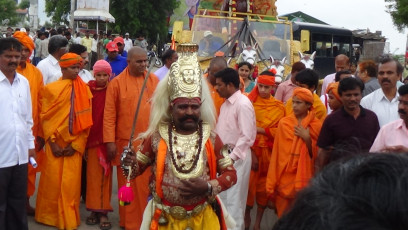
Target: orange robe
pixel 318 106
pixel 35 79
pixel 120 107
pixel 98 167
pixel 59 190
pixel 268 113
pixel 215 96
pixel 291 166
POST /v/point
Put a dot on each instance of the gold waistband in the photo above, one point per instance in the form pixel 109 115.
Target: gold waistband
pixel 180 213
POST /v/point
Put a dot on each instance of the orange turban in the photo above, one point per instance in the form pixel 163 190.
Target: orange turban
pixel 333 87
pixel 70 59
pixel 303 94
pixel 25 40
pixel 267 78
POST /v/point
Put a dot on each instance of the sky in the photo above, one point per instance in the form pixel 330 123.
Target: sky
pixel 350 14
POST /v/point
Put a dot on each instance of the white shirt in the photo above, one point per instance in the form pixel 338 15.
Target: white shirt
pixel 85 75
pixel 128 44
pixel 326 81
pixel 16 136
pixel 78 40
pixel 386 111
pixel 50 69
pixel 94 47
pixel 161 73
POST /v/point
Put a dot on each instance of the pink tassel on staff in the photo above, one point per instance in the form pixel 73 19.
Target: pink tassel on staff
pixel 125 193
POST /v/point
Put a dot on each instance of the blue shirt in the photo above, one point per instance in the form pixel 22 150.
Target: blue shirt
pixel 124 54
pixel 118 65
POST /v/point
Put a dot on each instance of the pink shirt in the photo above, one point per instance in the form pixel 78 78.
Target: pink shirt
pixel 392 134
pixel 237 125
pixel 285 91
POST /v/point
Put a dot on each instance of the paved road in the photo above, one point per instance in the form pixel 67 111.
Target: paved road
pixel 268 220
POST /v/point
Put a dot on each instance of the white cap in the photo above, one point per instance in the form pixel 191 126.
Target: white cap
pixel 23 30
pixel 207 33
pixel 127 34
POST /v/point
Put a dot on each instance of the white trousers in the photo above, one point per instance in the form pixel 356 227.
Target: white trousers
pixel 235 197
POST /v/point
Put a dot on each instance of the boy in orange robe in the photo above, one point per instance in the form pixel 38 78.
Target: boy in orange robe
pixel 294 151
pixel 35 79
pixel 99 169
pixel 309 79
pixel 66 117
pixel 268 112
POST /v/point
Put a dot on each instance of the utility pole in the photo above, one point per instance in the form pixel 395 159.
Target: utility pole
pixel 71 17
pixel 33 12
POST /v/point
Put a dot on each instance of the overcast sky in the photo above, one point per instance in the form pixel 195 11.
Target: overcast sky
pixel 350 14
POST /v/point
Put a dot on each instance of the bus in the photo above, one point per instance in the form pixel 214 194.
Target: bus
pixel 326 40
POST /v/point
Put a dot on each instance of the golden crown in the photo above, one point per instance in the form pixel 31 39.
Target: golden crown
pixel 185 74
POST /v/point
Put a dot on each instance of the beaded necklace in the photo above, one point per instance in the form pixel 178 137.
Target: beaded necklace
pixel 199 146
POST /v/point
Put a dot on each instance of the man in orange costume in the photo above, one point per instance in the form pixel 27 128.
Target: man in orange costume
pixel 66 117
pixel 217 64
pixel 35 79
pixel 294 151
pixel 121 101
pixel 268 112
pixel 309 79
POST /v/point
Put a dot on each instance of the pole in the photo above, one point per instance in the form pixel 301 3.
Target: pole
pixel 71 18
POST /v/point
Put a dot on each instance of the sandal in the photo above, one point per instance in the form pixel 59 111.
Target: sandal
pixel 104 224
pixel 92 219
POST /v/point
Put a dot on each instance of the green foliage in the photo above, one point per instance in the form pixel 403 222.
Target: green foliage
pixel 8 10
pixel 398 10
pixel 58 10
pixel 141 16
pixel 24 4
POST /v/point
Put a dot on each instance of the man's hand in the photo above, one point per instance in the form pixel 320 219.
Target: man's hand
pixel 68 151
pixel 40 143
pixel 193 187
pixel 31 153
pixel 395 149
pixel 111 150
pixel 130 158
pixel 56 150
pixel 302 133
pixel 255 163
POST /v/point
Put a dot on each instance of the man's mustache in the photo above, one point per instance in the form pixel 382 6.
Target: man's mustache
pixel 385 80
pixel 402 111
pixel 185 118
pixel 12 63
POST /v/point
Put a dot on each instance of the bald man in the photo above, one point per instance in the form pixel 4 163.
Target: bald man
pixel 341 62
pixel 217 64
pixel 121 101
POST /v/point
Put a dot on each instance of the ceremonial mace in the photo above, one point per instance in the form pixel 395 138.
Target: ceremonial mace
pixel 125 193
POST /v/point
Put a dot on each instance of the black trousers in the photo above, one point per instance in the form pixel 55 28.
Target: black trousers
pixel 13 197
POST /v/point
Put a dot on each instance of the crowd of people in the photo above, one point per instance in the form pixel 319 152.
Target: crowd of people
pixel 201 149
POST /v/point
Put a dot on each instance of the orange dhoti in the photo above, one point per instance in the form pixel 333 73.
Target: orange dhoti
pixel 98 184
pixel 59 191
pixel 257 179
pixel 131 215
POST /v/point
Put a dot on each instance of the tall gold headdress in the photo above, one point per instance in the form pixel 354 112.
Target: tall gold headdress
pixel 185 74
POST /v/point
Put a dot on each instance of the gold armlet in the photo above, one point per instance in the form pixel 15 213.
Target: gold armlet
pixel 226 161
pixel 142 158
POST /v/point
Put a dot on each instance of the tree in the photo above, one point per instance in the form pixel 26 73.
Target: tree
pixel 24 4
pixel 58 10
pixel 8 11
pixel 141 16
pixel 398 10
